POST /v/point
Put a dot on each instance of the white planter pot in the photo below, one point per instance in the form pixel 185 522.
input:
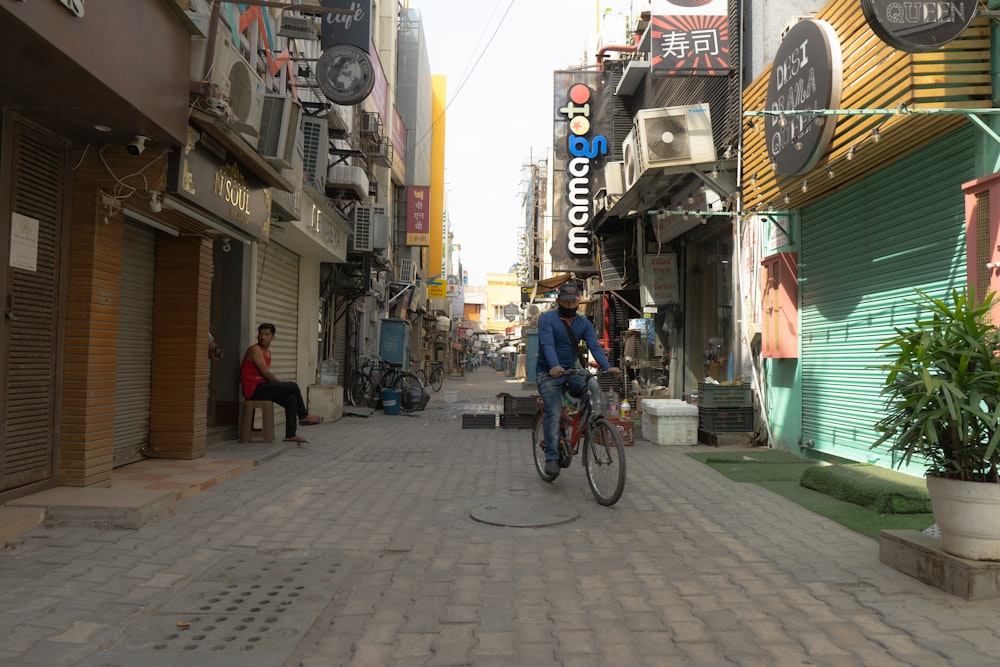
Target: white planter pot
pixel 968 514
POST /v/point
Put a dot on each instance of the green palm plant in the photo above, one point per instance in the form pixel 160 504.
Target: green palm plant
pixel 942 389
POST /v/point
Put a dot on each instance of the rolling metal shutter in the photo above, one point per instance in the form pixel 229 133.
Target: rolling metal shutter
pixel 278 303
pixel 29 332
pixel 133 377
pixel 864 250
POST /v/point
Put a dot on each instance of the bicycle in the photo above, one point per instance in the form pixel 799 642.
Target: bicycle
pixel 436 379
pixel 376 374
pixel 603 447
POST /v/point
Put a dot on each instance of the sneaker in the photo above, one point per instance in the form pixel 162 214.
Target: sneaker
pixel 564 461
pixel 552 468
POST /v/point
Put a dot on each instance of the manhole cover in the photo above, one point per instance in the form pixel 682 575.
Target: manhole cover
pixel 520 513
pixel 254 605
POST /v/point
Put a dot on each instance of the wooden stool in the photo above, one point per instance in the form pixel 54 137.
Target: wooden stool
pixel 246 421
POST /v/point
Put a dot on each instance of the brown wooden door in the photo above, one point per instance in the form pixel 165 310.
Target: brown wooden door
pixel 33 172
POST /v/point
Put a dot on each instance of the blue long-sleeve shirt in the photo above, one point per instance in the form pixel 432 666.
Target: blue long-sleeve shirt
pixel 555 347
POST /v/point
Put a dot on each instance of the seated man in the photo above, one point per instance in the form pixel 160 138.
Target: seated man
pixel 260 384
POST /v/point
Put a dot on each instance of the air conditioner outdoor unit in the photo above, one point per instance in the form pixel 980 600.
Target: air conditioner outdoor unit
pixel 236 82
pixel 382 152
pixel 614 178
pixel 351 181
pixel 370 228
pixel 406 270
pixel 298 27
pixel 668 137
pixel 315 151
pixel 279 129
pixel 371 124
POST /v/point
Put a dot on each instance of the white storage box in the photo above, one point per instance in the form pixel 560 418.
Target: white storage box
pixel 669 421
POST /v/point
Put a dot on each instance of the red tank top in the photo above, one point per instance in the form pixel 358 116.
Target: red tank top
pixel 250 377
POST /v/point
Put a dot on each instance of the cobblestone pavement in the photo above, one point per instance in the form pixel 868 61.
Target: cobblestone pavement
pixel 360 549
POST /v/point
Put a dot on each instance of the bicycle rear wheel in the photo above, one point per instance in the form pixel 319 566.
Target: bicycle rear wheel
pixel 411 391
pixel 437 379
pixel 538 445
pixel 361 392
pixel 604 461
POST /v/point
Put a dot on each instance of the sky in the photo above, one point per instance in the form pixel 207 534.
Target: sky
pixel 498 57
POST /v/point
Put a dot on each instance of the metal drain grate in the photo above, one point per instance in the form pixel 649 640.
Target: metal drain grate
pixel 252 606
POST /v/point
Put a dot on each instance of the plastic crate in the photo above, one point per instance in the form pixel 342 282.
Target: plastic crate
pixel 520 405
pixel 517 421
pixel 725 420
pixel 724 396
pixel 626 427
pixel 475 420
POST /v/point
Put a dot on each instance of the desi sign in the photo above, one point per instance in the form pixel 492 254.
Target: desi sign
pixel 807 73
pixel 418 201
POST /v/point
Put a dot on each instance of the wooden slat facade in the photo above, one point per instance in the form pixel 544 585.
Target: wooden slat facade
pixel 875 76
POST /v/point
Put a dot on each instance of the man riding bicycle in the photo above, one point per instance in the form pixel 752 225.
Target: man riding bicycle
pixel 559 331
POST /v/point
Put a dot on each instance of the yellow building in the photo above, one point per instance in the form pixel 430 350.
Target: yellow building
pixel 502 290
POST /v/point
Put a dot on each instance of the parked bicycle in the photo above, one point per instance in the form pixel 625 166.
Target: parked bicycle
pixel 603 447
pixel 374 375
pixel 436 379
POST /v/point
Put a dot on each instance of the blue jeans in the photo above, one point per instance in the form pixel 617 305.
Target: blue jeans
pixel 550 389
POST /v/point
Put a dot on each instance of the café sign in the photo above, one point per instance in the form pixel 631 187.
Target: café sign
pixel 916 27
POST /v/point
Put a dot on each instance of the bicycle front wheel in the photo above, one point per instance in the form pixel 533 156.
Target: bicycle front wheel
pixel 361 392
pixel 411 392
pixel 437 379
pixel 538 445
pixel 604 461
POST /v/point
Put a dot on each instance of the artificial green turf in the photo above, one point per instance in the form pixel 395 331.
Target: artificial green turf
pixel 782 472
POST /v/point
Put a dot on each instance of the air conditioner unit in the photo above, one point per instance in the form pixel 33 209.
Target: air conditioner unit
pixel 370 228
pixel 279 128
pixel 361 229
pixel 233 79
pixel 614 178
pixel 315 151
pixel 668 137
pixel 406 270
pixel 371 125
pixel 382 152
pixel 298 27
pixel 349 181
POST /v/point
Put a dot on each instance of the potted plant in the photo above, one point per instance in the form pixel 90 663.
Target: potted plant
pixel 942 391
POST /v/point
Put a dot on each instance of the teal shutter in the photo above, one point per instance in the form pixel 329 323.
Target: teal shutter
pixel 864 250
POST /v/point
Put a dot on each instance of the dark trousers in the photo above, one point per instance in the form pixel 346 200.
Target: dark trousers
pixel 289 396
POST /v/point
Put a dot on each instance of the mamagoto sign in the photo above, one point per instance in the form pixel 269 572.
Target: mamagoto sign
pixel 580 146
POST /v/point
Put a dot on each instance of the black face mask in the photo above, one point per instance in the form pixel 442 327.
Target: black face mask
pixel 567 312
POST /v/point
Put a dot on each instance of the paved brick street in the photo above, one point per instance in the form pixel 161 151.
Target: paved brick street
pixel 360 549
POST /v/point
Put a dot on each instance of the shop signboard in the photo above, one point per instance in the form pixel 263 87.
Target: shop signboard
pixel 689 37
pixel 806 74
pixel 916 27
pixel 659 280
pixel 581 127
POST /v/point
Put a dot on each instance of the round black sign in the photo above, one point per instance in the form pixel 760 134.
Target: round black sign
pixel 918 26
pixel 806 74
pixel 345 74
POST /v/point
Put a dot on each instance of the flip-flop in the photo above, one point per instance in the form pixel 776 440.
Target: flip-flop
pixel 311 420
pixel 298 438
